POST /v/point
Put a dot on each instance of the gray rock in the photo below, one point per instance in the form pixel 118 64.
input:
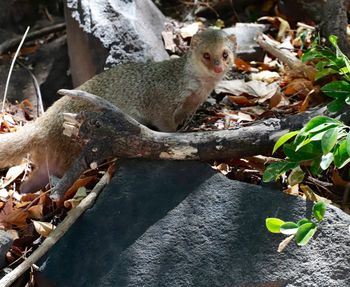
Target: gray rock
pixel 5 245
pixel 112 32
pixel 247 47
pixel 184 224
pixel 50 65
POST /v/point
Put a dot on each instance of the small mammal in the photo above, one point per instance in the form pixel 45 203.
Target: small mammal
pixel 162 95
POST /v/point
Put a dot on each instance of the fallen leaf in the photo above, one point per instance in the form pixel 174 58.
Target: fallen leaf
pixel 189 30
pixel 79 183
pixel 282 25
pixel 12 174
pixel 240 100
pixel 242 65
pixel 311 195
pixel 72 203
pixel 266 76
pixel 300 87
pixel 285 243
pixel 255 110
pixel 36 211
pixel 10 216
pixel 43 228
pixel 254 88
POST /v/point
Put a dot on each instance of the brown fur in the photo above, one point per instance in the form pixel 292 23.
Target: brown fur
pixel 161 95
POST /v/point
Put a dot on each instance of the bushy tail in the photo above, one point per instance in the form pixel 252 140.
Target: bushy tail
pixel 15 146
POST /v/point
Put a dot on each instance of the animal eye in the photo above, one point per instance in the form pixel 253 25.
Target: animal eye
pixel 225 55
pixel 206 56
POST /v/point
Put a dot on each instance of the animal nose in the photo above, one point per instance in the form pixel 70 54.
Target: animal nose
pixel 218 69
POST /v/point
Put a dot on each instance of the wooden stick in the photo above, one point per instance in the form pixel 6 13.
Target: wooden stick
pixel 8 44
pixel 56 234
pixel 271 46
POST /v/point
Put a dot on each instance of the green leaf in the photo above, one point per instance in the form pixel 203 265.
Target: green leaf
pixel 274 224
pixel 276 169
pixel 316 53
pixel 303 221
pixel 337 89
pixel 333 39
pixel 323 128
pixel 341 155
pixel 347 100
pixel 326 160
pixel 336 105
pixel 289 228
pixel 348 143
pixel 283 139
pixel 296 176
pixel 314 123
pixel 319 210
pixel 329 139
pixel 308 152
pixel 315 167
pixel 305 233
pixel 325 72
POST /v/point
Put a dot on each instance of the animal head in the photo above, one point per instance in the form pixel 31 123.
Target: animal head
pixel 213 52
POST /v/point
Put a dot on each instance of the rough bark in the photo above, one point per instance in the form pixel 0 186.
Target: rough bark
pixel 335 22
pixel 110 133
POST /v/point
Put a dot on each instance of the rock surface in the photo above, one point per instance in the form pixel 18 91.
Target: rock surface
pixel 5 245
pixel 184 224
pixel 106 33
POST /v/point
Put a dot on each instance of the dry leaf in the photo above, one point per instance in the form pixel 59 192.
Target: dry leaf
pixel 242 65
pixel 43 228
pixel 79 183
pixel 266 76
pixel 35 211
pixel 189 30
pixel 72 203
pixel 293 190
pixel 311 195
pixel 12 174
pixel 256 110
pixel 254 88
pixel 10 216
pixel 285 243
pixel 240 100
pixel 282 25
pixel 4 194
pixel 224 168
pixel 14 233
pixel 300 87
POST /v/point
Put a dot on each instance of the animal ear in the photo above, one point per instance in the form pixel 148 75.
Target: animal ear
pixel 195 40
pixel 233 40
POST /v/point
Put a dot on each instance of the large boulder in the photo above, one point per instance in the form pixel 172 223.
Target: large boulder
pixel 183 224
pixel 105 33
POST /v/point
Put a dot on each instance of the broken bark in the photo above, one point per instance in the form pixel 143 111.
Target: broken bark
pixel 110 133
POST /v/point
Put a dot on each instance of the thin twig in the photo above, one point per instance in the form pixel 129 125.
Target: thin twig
pixel 6 45
pixel 56 234
pixel 11 68
pixel 37 89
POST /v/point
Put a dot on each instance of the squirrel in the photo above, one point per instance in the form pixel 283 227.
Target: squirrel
pixel 160 95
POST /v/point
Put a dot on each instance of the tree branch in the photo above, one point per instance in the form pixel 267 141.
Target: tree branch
pixel 110 133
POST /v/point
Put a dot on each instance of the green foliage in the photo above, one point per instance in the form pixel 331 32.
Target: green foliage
pixel 322 142
pixel 332 63
pixel 303 230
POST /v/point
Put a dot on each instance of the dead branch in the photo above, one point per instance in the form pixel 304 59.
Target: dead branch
pixel 111 133
pixel 11 43
pixel 271 46
pixel 56 234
